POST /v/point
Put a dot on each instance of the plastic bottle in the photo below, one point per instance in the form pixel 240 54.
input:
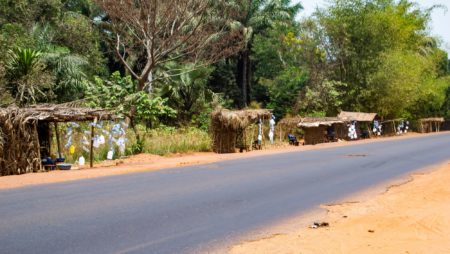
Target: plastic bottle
pixel 110 155
pixel 81 161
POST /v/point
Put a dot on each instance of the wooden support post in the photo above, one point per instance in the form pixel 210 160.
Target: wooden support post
pixel 91 150
pixel 50 139
pixel 263 142
pixel 281 133
pixel 58 143
pixel 38 145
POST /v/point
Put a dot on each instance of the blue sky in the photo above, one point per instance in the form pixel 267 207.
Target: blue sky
pixel 440 26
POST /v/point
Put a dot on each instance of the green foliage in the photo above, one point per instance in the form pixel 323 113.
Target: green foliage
pixel 119 94
pixel 432 99
pixel 75 32
pixel 223 81
pixel 325 97
pixel 23 61
pixel 148 109
pixel 398 84
pixel 5 96
pixel 256 18
pixel 29 12
pixel 270 54
pixel 85 7
pixel 284 90
pixel 27 80
pixel 381 50
pixel 446 105
pixel 186 90
pixel 358 55
pixel 136 147
pixel 52 49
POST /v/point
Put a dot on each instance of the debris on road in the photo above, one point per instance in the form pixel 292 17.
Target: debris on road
pixel 319 225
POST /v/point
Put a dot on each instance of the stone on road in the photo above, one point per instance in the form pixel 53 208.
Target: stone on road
pixel 189 209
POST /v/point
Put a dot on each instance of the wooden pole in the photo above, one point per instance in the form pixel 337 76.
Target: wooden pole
pixel 91 150
pixel 263 142
pixel 50 139
pixel 38 145
pixel 58 143
pixel 281 133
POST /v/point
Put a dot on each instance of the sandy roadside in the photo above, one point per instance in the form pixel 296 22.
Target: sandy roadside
pixel 410 218
pixel 148 162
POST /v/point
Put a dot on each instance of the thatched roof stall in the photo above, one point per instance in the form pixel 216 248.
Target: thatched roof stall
pixel 357 116
pixel 287 125
pixel 363 121
pixel 309 122
pixel 316 129
pixel 24 131
pixel 390 126
pixel 427 125
pixel 229 127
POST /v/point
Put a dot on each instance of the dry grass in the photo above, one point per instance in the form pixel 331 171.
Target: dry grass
pixel 18 153
pixel 170 140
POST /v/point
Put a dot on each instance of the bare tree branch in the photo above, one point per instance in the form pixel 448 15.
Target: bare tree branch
pixel 162 30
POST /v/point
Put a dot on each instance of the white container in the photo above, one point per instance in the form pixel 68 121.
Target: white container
pixel 110 155
pixel 81 161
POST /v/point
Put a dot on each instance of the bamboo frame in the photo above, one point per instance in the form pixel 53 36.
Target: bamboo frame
pixel 58 143
pixel 21 154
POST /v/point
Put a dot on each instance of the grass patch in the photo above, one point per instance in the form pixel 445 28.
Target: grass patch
pixel 164 141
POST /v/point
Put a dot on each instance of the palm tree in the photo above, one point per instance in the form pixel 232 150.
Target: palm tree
pixel 257 16
pixel 23 61
pixel 67 68
pixel 187 91
pixel 26 74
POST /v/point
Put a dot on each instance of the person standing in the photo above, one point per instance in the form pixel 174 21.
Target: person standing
pixel 352 131
pixel 272 129
pixel 260 132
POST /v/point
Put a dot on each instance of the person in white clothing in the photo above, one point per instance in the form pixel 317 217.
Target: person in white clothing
pixel 272 129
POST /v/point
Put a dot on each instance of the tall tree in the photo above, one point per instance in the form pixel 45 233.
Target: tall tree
pixel 360 32
pixel 149 33
pixel 257 16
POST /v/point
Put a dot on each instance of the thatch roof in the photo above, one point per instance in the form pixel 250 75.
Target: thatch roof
pixel 290 121
pixel 239 118
pixel 432 119
pixel 393 120
pixel 309 122
pixel 58 113
pixel 357 116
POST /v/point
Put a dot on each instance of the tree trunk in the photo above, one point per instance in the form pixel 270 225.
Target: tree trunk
pixel 249 77
pixel 243 76
pixel 141 84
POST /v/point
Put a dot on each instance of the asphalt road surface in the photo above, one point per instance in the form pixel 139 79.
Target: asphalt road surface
pixel 189 209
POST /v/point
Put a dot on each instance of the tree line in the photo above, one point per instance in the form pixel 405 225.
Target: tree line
pixel 173 62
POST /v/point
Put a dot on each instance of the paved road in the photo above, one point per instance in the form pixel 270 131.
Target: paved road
pixel 184 209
